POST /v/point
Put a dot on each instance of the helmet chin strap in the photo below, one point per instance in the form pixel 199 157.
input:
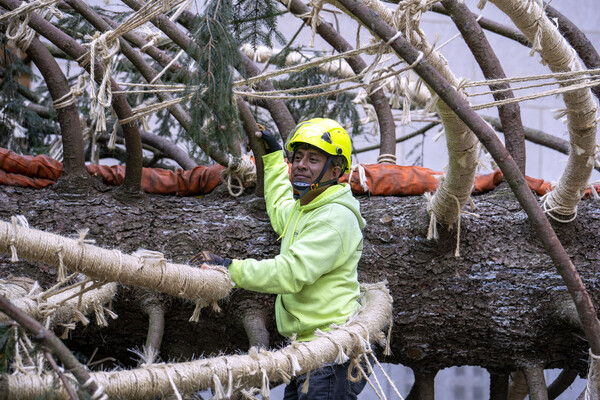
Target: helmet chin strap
pixel 304 187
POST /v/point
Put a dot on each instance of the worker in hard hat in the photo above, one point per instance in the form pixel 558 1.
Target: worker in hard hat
pixel 319 223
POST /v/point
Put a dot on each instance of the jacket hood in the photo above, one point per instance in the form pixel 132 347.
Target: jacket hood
pixel 340 194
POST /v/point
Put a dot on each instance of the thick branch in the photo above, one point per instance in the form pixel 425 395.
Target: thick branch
pixel 152 305
pixel 68 117
pixel 578 40
pixel 498 386
pixel 133 175
pixel 536 383
pixel 378 99
pixel 49 340
pixel 510 114
pixel 509 168
pixel 250 127
pixel 424 387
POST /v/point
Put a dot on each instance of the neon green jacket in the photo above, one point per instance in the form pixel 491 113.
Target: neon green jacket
pixel 315 273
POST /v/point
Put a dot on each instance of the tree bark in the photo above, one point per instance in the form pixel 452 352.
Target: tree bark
pixel 515 179
pixel 133 175
pixel 510 114
pixel 68 117
pixel 497 306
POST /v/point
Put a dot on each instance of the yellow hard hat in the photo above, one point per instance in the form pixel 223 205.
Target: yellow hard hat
pixel 325 134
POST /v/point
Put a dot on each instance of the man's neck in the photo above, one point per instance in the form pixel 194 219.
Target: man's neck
pixel 313 194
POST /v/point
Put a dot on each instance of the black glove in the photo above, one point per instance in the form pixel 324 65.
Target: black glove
pixel 271 143
pixel 209 258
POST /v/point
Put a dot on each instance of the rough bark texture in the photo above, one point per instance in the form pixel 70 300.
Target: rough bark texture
pixel 495 306
pixel 68 117
pixel 516 180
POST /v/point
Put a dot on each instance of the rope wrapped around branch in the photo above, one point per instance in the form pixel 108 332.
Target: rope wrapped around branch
pixel 241 372
pixel 203 285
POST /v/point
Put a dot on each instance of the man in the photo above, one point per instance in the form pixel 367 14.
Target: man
pixel 315 274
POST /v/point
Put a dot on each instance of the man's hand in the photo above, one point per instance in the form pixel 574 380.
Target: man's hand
pixel 271 143
pixel 209 258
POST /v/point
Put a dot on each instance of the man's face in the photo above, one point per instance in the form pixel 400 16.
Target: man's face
pixel 308 164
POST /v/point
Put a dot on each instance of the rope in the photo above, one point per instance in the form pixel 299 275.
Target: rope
pixel 263 54
pixel 593 379
pixel 244 171
pixel 275 94
pixel 362 178
pixel 242 372
pixel 296 68
pixel 551 205
pixel 386 159
pixel 177 280
pixel 18 32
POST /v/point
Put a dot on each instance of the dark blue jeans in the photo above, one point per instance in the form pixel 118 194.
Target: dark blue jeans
pixel 327 383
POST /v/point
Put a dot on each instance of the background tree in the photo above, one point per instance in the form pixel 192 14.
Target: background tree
pixel 205 90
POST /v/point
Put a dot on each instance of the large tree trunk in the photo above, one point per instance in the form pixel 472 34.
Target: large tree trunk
pixel 501 305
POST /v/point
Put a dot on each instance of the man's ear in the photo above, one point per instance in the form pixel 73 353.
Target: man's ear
pixel 336 171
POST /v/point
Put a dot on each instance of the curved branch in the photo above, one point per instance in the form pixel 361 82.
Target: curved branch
pixel 133 174
pixel 578 40
pixel 417 132
pixel 148 73
pixel 561 383
pixel 169 149
pixel 387 126
pixel 68 117
pixel 511 172
pixel 510 114
pixel 492 26
pixel 49 340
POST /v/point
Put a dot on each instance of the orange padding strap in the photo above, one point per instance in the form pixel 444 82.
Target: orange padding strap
pixel 378 179
pixel 42 171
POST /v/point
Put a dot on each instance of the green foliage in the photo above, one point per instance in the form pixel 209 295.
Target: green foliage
pixel 337 106
pixel 7 345
pixel 21 128
pixel 213 106
pixel 255 22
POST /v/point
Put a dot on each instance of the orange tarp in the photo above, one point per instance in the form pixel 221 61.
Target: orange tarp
pixel 42 171
pixel 381 179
